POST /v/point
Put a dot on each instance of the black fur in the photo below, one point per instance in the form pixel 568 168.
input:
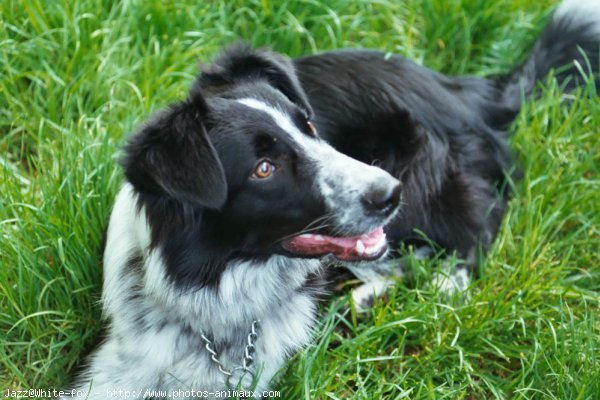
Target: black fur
pixel 195 190
pixel 196 245
pixel 173 156
pixel 438 135
pixel 241 64
pixel 445 138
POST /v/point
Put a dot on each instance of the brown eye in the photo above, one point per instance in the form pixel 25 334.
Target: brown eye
pixel 313 129
pixel 264 169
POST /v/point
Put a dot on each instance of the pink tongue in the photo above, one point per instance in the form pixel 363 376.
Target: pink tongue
pixel 364 247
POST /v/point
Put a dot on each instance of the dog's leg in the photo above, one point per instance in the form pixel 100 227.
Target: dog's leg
pixel 364 296
pixel 453 277
pixel 379 276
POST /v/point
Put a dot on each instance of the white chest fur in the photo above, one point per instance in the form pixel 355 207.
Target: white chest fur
pixel 154 337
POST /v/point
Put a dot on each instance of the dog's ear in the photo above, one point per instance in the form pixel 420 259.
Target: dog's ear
pixel 241 63
pixel 172 155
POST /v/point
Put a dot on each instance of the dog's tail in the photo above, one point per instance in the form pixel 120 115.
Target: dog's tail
pixel 569 44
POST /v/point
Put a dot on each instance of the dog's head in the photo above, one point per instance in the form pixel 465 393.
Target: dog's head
pixel 239 170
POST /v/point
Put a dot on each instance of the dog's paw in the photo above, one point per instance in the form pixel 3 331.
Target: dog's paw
pixel 456 280
pixel 364 296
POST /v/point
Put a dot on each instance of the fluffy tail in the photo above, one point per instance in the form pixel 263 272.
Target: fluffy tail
pixel 570 44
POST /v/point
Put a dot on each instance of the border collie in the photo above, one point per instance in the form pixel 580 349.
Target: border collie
pixel 234 197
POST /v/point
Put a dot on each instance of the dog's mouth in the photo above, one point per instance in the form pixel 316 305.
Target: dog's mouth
pixel 368 246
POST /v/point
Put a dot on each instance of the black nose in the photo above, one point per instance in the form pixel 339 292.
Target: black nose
pixel 383 198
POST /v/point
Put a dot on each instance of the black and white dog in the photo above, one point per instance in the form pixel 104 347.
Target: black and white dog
pixel 214 254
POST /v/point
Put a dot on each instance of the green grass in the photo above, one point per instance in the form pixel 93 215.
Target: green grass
pixel 76 77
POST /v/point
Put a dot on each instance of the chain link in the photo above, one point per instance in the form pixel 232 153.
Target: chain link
pixel 247 359
pixel 250 348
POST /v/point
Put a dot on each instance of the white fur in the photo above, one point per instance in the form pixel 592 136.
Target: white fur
pixel 581 11
pixel 455 280
pixel 364 295
pixel 379 276
pixel 340 179
pixel 154 338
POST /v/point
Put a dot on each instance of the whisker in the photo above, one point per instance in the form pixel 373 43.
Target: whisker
pixel 319 220
pixel 323 221
pixel 303 231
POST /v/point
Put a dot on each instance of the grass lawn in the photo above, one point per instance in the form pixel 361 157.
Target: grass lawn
pixel 77 76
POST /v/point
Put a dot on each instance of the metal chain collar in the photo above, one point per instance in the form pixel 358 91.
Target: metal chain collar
pixel 247 359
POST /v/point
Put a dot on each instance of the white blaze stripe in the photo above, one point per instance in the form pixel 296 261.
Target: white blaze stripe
pixel 341 180
pixel 318 150
pixel 279 117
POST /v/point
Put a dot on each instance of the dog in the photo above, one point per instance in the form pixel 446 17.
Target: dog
pixel 236 199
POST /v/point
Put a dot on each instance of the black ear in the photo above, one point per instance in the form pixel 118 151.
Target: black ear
pixel 241 63
pixel 172 155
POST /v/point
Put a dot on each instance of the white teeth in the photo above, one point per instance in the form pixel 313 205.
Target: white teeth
pixel 372 250
pixel 319 238
pixel 306 235
pixel 376 248
pixel 360 247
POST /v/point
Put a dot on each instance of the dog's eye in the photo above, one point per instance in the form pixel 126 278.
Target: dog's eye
pixel 312 128
pixel 264 169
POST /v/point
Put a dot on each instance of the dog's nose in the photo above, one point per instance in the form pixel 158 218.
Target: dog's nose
pixel 383 198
